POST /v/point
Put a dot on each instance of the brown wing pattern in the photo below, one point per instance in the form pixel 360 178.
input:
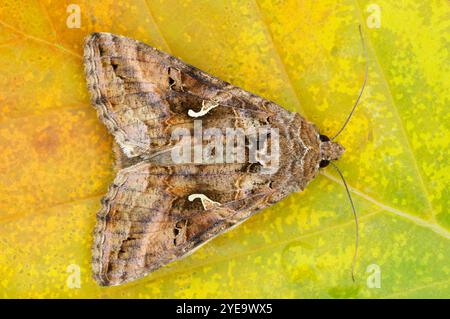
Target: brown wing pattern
pixel 147 219
pixel 140 93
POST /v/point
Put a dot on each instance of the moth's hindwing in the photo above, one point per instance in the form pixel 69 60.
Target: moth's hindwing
pixel 148 218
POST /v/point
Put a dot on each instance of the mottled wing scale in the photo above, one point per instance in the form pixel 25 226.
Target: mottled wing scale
pixel 142 93
pixel 147 219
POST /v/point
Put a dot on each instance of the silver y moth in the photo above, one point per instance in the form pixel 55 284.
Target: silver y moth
pixel 158 210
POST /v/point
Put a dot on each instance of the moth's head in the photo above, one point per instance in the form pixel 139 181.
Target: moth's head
pixel 329 151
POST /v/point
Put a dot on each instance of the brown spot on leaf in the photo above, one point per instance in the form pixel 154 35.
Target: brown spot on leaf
pixel 46 141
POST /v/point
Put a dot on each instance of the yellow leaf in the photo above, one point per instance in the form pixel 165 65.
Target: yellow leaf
pixel 56 158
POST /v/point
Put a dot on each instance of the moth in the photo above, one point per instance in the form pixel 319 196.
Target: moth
pixel 158 210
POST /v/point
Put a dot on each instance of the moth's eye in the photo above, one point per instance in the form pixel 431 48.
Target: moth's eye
pixel 324 163
pixel 324 138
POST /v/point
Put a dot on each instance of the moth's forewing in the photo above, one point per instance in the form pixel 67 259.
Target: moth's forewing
pixel 140 92
pixel 146 221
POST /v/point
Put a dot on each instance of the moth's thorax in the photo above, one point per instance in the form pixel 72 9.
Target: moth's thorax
pixel 331 151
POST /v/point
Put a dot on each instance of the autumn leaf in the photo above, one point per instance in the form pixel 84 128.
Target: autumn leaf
pixel 56 158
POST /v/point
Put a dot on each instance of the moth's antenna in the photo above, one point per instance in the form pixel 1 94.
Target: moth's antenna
pixel 356 220
pixel 362 88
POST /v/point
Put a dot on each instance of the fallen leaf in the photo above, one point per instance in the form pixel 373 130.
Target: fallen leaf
pixel 56 158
